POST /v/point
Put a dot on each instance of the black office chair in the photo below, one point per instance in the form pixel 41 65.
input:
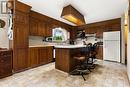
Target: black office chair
pixel 92 56
pixel 82 69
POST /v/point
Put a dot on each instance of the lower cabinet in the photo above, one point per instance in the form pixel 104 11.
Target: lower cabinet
pixel 40 55
pixel 100 53
pixel 33 57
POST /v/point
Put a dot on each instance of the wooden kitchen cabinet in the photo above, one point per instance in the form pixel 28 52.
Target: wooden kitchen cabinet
pixel 37 27
pixel 41 28
pixel 33 26
pixel 20 37
pixel 40 55
pixel 100 53
pixel 5 63
pixel 33 57
pixel 50 54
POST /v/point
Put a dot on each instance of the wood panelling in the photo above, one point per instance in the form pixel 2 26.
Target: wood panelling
pixel 100 27
pixel 5 63
pixel 62 59
pixel 65 59
pixel 100 53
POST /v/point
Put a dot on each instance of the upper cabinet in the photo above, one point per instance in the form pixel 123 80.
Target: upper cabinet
pixel 33 26
pixel 41 25
pixel 37 27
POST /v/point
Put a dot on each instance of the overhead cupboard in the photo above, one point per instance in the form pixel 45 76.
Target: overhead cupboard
pixel 39 28
pixel 41 25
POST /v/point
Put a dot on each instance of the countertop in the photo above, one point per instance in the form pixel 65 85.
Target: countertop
pixel 69 46
pixel 58 46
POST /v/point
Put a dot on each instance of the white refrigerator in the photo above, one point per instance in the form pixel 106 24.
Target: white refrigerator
pixel 111 46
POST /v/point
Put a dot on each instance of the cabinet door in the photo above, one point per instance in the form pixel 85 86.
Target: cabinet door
pixel 41 28
pixel 33 30
pixel 42 55
pixel 33 57
pixel 21 35
pixel 20 61
pixel 49 54
pixel 21 30
pixel 100 53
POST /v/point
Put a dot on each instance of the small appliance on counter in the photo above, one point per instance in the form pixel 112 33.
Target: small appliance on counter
pixel 48 39
pixel 72 42
pixel 81 34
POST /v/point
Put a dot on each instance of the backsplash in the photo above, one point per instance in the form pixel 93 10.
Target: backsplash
pixel 35 40
pixel 89 40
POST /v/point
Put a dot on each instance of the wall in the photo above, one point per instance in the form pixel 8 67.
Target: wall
pixel 4 42
pixel 128 57
pixel 123 39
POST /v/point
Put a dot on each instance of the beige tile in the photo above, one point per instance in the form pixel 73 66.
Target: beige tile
pixel 106 74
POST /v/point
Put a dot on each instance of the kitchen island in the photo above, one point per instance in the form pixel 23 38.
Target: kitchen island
pixel 65 57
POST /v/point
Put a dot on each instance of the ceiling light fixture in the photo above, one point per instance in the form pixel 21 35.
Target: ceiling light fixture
pixel 71 14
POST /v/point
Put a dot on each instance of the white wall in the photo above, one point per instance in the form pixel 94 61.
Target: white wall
pixel 4 42
pixel 128 57
pixel 122 39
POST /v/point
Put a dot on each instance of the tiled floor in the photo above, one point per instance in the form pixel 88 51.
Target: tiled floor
pixel 106 74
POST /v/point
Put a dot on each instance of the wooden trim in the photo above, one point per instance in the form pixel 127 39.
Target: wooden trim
pixel 22 7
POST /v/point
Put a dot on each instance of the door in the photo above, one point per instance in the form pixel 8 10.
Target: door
pixel 111 50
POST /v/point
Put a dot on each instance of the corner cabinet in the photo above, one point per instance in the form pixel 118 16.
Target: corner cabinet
pixel 20 38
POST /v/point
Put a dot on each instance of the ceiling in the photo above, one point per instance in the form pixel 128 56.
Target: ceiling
pixel 93 10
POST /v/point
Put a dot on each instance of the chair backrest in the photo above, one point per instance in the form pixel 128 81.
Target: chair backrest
pixel 95 47
pixel 86 50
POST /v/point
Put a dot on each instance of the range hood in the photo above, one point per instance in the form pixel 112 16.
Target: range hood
pixel 72 15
